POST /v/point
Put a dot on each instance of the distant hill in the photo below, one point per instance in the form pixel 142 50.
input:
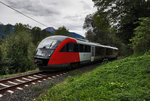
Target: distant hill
pixel 4 29
pixel 72 34
pixel 50 29
pixel 75 35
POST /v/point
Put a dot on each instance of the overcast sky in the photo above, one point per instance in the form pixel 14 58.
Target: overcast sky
pixel 53 13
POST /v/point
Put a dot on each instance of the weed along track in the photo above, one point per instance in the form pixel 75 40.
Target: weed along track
pixel 19 82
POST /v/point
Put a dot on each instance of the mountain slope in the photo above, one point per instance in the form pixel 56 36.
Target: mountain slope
pixel 72 34
pixel 50 29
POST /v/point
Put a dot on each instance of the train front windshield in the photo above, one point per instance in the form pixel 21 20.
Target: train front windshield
pixel 46 47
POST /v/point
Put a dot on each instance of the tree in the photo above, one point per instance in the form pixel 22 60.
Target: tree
pixel 123 13
pixel 141 41
pixel 21 27
pixel 7 30
pixel 38 34
pixel 0 56
pixel 98 28
pixel 17 51
pixel 62 31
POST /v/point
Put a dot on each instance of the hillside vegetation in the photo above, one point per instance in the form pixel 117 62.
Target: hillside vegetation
pixel 122 80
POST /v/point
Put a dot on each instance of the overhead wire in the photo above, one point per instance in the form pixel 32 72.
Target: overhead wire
pixel 22 13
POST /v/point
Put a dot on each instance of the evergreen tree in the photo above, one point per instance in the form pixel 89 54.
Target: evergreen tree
pixel 62 31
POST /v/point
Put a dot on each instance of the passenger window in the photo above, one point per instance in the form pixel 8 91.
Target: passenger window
pixel 64 49
pixel 84 48
pixel 70 47
pixel 87 48
pixel 76 47
pixel 81 48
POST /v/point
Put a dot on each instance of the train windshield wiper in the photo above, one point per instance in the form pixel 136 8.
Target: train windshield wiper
pixel 51 44
pixel 48 46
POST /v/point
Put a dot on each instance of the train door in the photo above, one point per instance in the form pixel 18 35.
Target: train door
pixel 93 53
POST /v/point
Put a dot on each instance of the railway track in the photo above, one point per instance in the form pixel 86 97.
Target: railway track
pixel 20 81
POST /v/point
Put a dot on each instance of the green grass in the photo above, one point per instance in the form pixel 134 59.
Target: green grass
pixel 1 76
pixel 122 80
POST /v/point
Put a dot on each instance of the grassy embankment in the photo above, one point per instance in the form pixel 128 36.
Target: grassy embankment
pixel 122 80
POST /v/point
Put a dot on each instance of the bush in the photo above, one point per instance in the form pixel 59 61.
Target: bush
pixel 17 53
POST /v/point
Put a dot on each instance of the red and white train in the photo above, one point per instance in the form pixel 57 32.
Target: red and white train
pixel 61 52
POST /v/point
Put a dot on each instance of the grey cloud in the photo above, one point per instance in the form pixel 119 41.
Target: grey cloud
pixel 85 5
pixel 55 13
pixel 33 7
pixel 73 17
pixel 74 26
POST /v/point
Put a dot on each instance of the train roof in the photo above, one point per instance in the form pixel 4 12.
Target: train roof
pixel 81 41
pixel 57 37
pixel 86 42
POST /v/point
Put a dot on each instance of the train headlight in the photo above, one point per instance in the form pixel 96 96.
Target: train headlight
pixel 44 52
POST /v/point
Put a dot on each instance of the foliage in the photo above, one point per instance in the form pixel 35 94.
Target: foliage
pixel 21 28
pixel 124 13
pixel 141 40
pixel 38 34
pixel 98 28
pixel 120 15
pixel 0 56
pixel 17 51
pixel 5 29
pixel 122 80
pixel 62 31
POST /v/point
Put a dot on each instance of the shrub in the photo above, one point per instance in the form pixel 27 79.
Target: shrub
pixel 17 53
pixel 141 40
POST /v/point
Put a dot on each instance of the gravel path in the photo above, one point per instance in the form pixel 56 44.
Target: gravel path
pixel 33 91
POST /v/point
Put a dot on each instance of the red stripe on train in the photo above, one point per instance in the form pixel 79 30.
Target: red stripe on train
pixel 64 57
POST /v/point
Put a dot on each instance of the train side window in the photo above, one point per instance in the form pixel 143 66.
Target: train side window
pixel 64 49
pixel 71 47
pixel 100 51
pixel 87 48
pixel 109 51
pixel 76 47
pixel 81 48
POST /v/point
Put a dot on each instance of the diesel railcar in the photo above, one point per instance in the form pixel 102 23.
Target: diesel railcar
pixel 62 52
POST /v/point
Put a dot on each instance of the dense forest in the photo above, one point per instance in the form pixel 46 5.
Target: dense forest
pixel 121 23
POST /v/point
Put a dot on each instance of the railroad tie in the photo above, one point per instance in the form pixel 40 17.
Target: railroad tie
pixel 4 85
